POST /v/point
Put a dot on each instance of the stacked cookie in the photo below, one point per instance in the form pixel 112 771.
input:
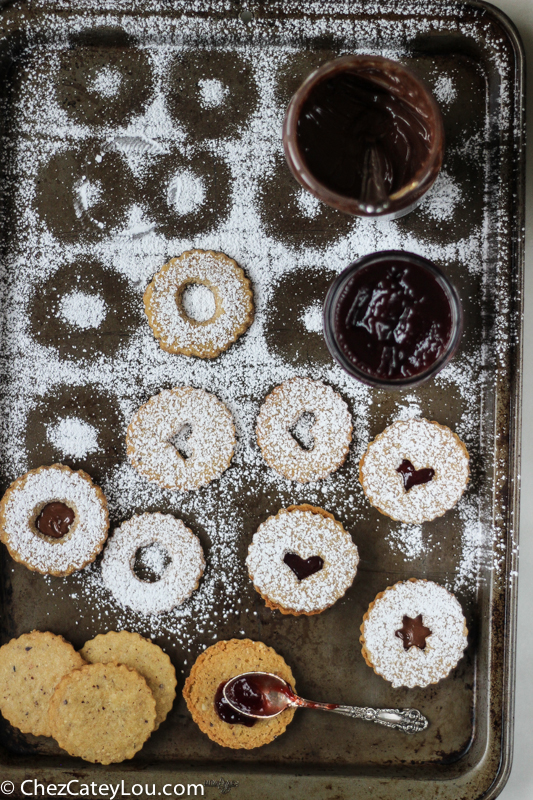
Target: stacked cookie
pixel 100 704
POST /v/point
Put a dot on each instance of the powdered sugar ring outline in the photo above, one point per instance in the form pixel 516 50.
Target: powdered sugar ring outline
pixel 180 578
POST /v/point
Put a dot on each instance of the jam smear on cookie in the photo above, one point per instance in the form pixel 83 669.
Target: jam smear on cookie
pixel 227 713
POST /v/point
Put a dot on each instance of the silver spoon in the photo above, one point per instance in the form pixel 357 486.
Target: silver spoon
pixel 262 695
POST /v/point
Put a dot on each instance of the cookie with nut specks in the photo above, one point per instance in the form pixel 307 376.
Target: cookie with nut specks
pixel 142 655
pixel 102 713
pixel 30 669
pixel 215 666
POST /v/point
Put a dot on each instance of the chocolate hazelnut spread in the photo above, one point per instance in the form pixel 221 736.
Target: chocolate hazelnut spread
pixel 55 520
pixel 365 136
pixel 360 139
pixel 413 632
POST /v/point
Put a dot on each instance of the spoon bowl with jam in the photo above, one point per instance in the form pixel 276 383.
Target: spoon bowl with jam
pixel 263 695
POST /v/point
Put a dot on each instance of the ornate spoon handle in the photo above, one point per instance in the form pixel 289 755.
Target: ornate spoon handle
pixel 408 720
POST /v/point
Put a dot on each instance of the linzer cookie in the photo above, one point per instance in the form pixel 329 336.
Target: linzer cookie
pixel 157 446
pixel 302 560
pixel 182 328
pixel 322 448
pixel 139 654
pixel 415 470
pixel 102 713
pixel 54 520
pixel 30 669
pixel 413 633
pixel 179 578
pixel 203 693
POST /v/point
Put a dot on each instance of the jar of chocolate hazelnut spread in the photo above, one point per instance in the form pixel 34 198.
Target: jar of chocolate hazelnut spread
pixel 392 319
pixel 365 136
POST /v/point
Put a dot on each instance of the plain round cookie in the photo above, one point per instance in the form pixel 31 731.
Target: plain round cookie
pixel 426 445
pixel 218 664
pixel 102 713
pixel 139 654
pixel 331 430
pixel 30 669
pixel 180 577
pixel 306 531
pixel 176 330
pixel 384 651
pixel 210 444
pixel 24 501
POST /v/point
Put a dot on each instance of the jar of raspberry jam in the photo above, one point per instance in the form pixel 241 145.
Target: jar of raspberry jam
pixel 392 319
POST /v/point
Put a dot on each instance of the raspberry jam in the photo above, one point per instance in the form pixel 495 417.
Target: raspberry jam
pixel 227 713
pixel 414 477
pixel 303 567
pixel 392 319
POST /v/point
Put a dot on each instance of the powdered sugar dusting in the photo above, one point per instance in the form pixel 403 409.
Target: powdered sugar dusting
pixel 306 534
pixel 441 613
pixel 86 535
pixel 212 92
pixel 330 431
pixel 426 445
pixel 73 437
pixel 444 89
pixel 106 82
pixel 210 442
pixel 242 377
pixel 180 577
pixel 169 318
pixel 198 302
pixel 82 310
pixel 312 318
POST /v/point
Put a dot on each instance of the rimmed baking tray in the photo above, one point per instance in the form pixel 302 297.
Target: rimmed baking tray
pixel 122 147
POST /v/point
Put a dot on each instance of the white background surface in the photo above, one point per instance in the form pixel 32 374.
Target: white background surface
pixel 520 785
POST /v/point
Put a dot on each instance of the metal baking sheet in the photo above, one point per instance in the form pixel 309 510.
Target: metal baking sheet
pixel 120 148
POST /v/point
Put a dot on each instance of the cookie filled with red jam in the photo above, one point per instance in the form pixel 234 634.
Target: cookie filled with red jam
pixel 54 520
pixel 415 470
pixel 392 319
pixel 203 693
pixel 302 560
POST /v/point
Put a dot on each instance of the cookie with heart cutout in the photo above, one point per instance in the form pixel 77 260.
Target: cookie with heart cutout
pixel 301 561
pixel 415 470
